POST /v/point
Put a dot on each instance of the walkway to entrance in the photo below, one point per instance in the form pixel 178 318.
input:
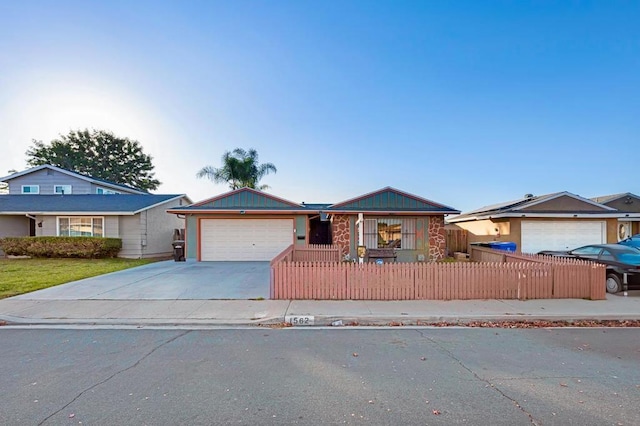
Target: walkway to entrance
pixel 168 280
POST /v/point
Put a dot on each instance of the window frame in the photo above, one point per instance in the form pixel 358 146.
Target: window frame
pixel 106 191
pixel 37 187
pixel 92 226
pixel 407 231
pixel 63 192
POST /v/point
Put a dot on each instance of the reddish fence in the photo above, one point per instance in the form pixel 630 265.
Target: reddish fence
pixel 538 278
pixel 309 253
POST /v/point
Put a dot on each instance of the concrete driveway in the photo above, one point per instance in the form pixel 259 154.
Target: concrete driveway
pixel 168 280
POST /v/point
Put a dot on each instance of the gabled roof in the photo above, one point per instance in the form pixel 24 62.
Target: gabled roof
pixel 533 206
pixel 391 200
pixel 386 200
pixel 105 183
pixel 604 199
pixel 118 204
pixel 243 199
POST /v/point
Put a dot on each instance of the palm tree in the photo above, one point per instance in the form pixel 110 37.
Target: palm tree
pixel 240 168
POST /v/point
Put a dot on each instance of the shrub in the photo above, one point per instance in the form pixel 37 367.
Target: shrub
pixel 82 247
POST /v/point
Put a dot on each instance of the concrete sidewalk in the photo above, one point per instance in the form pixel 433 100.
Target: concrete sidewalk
pixel 17 311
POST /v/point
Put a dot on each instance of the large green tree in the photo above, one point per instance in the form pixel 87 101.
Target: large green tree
pixel 99 154
pixel 240 168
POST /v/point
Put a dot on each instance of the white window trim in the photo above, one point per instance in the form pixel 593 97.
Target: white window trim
pixel 80 217
pixel 37 187
pixel 106 191
pixel 65 192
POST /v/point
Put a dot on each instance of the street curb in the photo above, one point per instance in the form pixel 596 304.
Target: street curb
pixel 319 321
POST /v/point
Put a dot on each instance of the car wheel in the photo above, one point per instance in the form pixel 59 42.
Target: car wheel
pixel 614 284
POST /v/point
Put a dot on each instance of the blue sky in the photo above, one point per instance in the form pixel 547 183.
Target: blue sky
pixel 466 103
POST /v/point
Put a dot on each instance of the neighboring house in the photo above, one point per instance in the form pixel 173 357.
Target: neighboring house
pixel 629 204
pixel 51 201
pixel 558 221
pixel 246 224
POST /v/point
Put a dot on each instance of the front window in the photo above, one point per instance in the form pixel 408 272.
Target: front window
pixel 80 227
pixel 105 191
pixel 30 189
pixel 386 232
pixel 62 189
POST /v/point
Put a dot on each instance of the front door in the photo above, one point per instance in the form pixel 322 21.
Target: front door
pixel 32 227
pixel 319 231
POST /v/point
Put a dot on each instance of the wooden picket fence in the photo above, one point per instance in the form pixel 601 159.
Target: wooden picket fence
pixel 457 240
pixel 539 278
pixel 309 253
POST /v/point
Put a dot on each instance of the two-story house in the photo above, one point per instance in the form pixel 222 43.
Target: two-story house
pixel 51 201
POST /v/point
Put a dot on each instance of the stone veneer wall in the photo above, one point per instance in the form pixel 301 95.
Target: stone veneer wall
pixel 437 238
pixel 340 232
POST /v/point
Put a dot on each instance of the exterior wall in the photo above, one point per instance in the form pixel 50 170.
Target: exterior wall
pixel 437 238
pixel 622 205
pixel 612 231
pixel 159 231
pixel 111 227
pixel 301 230
pixel 191 236
pixel 49 226
pixel 130 230
pixel 14 226
pixel 563 204
pixel 482 231
pixel 340 230
pixel 47 178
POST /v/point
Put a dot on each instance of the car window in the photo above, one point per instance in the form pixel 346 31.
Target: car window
pixel 606 255
pixel 586 251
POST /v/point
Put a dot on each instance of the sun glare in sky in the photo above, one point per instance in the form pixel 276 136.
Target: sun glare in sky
pixel 467 103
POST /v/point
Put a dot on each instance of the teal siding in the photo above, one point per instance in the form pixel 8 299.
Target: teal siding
pixel 246 200
pixel 301 229
pixel 353 235
pixel 390 200
pixel 191 236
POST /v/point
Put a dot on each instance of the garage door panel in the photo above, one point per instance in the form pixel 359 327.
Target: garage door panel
pixel 244 239
pixel 560 235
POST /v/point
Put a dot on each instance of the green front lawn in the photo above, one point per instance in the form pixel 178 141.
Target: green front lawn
pixel 18 276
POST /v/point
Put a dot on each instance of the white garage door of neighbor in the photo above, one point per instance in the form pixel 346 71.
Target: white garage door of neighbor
pixel 244 239
pixel 561 235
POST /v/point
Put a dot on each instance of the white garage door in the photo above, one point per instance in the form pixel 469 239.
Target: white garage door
pixel 244 239
pixel 561 235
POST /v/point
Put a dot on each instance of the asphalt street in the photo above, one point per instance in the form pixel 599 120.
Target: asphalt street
pixel 394 376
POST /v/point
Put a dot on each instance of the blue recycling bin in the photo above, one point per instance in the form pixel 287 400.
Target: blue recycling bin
pixel 503 245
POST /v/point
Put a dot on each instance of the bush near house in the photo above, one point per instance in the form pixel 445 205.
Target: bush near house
pixel 78 247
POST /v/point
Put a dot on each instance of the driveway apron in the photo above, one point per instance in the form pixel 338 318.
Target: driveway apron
pixel 168 280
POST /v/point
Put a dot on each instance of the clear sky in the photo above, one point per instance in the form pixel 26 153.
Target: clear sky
pixel 466 103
